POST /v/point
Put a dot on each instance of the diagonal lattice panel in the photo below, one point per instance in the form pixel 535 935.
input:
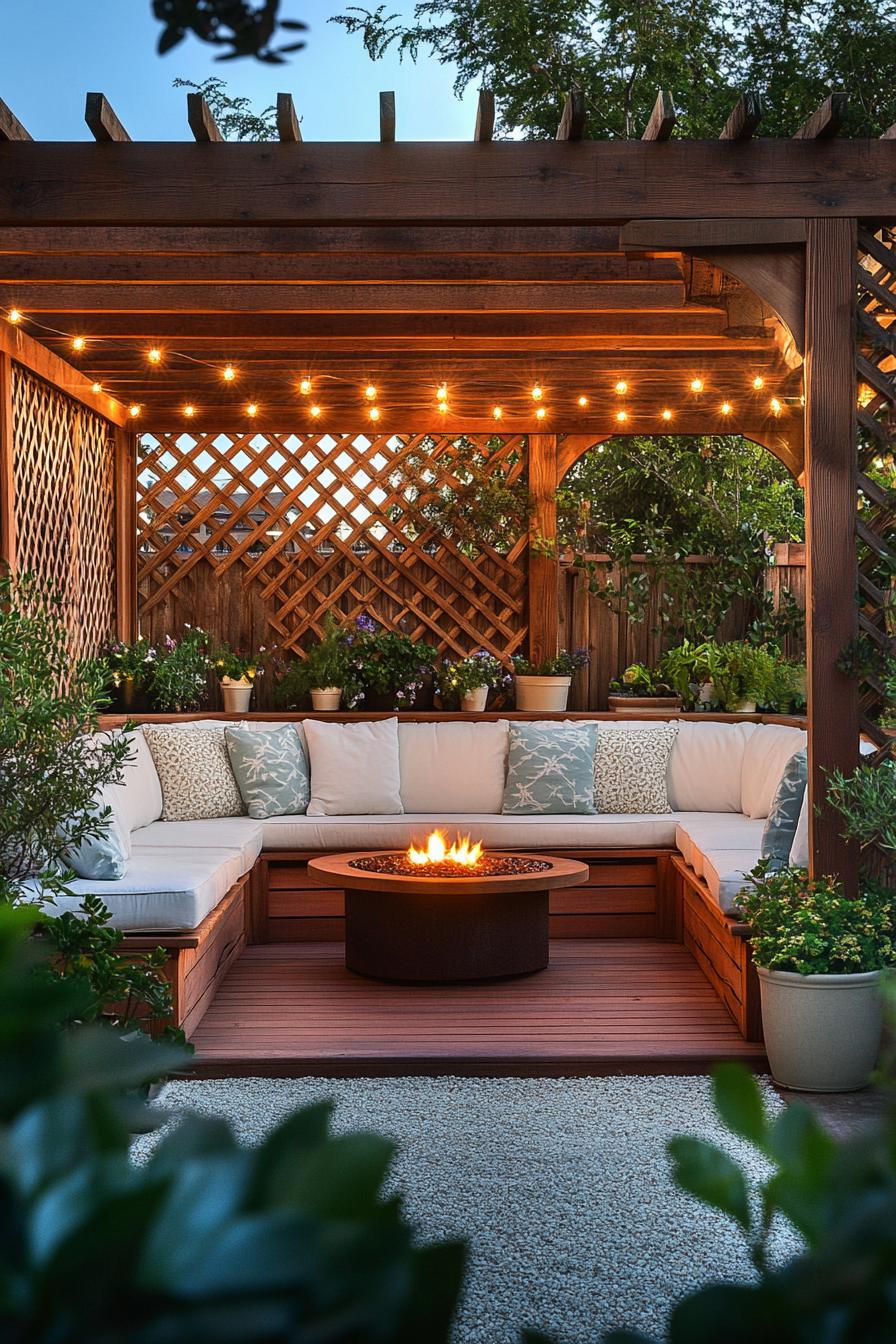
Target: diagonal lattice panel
pixel 258 535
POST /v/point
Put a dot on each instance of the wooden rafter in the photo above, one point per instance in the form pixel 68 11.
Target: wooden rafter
pixel 387 118
pixel 289 129
pixel 485 117
pixel 201 121
pixel 745 117
pixel 10 126
pixel 572 121
pixel 101 118
pixel 662 119
pixel 826 120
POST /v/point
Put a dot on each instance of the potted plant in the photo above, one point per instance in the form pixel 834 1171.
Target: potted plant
pixel 130 672
pixel 387 669
pixel 685 670
pixel 469 681
pixel 545 686
pixel 180 672
pixel 237 672
pixel 819 956
pixel 638 691
pixel 324 673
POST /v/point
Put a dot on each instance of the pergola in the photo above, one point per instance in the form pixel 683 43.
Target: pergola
pixel 716 280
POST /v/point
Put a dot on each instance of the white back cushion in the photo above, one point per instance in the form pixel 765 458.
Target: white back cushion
pixel 706 766
pixel 138 798
pixel 354 768
pixel 453 767
pixel 769 749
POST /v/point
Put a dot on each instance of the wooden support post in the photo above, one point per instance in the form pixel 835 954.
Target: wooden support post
pixel 830 522
pixel 7 478
pixel 544 614
pixel 125 533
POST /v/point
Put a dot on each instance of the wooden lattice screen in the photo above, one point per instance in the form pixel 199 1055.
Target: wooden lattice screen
pixel 876 521
pixel 256 536
pixel 64 503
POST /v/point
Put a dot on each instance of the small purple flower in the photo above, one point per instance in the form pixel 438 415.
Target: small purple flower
pixel 366 624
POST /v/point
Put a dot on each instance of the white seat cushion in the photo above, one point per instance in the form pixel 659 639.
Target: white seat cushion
pixel 706 766
pixel 234 835
pixel 704 831
pixel 453 767
pixel 138 798
pixel 726 874
pixel 600 830
pixel 769 749
pixel 161 892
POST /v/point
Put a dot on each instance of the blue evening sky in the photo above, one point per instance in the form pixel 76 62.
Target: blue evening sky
pixel 52 52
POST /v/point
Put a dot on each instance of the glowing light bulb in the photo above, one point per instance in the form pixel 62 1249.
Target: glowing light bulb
pixel 442 392
pixel 443 406
pixel 14 315
pixel 228 373
pixel 305 387
pixel 252 409
pixel 537 392
pixel 497 412
pixel 667 414
pixel 370 392
pixel 775 406
pixel 154 355
pixel 374 412
pixel 759 382
pixel 726 408
pixel 621 387
pixel 78 344
pixel 622 416
pixel 540 413
pixel 315 411
pixel 583 402
pixel 696 384
pixel 189 411
pixel 134 411
pixel 97 387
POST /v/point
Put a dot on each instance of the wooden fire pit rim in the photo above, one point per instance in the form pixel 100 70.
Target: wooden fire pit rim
pixel 326 867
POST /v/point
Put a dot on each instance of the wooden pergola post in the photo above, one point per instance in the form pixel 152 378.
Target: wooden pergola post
pixel 7 479
pixel 830 391
pixel 544 570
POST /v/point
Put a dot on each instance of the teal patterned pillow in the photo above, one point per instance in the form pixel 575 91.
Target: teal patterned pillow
pixel 550 768
pixel 781 823
pixel 271 770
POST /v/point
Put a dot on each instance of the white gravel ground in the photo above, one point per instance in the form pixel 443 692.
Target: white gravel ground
pixel 561 1186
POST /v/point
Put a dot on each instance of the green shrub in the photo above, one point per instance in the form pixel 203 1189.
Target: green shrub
pixel 180 672
pixel 866 800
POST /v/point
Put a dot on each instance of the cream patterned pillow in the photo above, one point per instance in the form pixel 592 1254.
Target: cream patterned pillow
pixel 630 767
pixel 194 771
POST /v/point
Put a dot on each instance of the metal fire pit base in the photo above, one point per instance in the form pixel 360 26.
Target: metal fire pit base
pixel 437 936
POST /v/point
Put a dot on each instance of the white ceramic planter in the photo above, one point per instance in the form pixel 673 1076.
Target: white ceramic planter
pixel 237 695
pixel 326 697
pixel 745 707
pixel 706 694
pixel 822 1032
pixel 475 701
pixel 542 693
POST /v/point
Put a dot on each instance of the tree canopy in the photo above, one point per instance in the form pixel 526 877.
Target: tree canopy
pixel 620 52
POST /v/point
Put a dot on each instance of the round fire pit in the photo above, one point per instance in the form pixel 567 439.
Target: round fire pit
pixel 443 922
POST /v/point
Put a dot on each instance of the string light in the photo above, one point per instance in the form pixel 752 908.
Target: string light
pixel 14 315
pixel 228 373
pixel 497 412
pixel 759 382
pixel 154 355
pixel 775 406
pixel 442 392
pixel 189 411
pixel 370 393
pixel 305 387
pixel 540 413
pixel 726 408
pixel 134 411
pixel 252 409
pixel 621 387
pixel 315 411
pixel 78 344
pixel 97 387
pixel 696 384
pixel 374 412
pixel 667 414
pixel 622 416
pixel 583 402
pixel 537 392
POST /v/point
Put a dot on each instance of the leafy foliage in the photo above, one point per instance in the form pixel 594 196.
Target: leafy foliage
pixel 866 800
pixel 205 1243
pixel 180 671
pixel 457 679
pixel 562 664
pixel 234 116
pixel 246 27
pixel 731 673
pixel 233 663
pixel 365 660
pixel 326 664
pixel 531 52
pixel 808 925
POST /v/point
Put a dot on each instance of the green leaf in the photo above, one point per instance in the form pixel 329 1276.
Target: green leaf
pixel 739 1102
pixel 708 1172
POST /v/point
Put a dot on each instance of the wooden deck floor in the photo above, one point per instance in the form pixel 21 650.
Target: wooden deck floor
pixel 602 1006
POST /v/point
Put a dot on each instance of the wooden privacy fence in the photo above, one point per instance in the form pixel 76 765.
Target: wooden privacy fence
pixel 615 640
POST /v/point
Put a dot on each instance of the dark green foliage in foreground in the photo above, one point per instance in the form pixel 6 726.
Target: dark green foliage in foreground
pixel 243 27
pixel 208 1241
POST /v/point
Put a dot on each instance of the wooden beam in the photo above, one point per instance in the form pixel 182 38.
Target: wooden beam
pixel 572 121
pixel 777 275
pixel 485 117
pixel 10 126
pixel 444 184
pixel 289 129
pixel 202 123
pixel 126 534
pixel 7 473
pixel 830 525
pixel 100 117
pixel 387 118
pixel 663 235
pixel 745 117
pixel 73 382
pixel 662 119
pixel 826 120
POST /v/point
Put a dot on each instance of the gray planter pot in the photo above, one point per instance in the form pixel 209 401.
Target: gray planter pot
pixel 822 1032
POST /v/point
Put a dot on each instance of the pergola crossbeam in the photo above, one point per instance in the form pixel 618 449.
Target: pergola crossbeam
pixel 289 129
pixel 100 117
pixel 10 126
pixel 387 118
pixel 485 117
pixel 201 120
pixel 745 117
pixel 661 122
pixel 826 120
pixel 572 120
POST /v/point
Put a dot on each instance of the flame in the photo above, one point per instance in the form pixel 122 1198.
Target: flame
pixel 462 851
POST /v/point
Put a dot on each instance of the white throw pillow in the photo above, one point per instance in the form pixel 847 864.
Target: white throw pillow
pixel 630 768
pixel 706 766
pixel 138 798
pixel 194 770
pixel 355 768
pixel 768 750
pixel 453 767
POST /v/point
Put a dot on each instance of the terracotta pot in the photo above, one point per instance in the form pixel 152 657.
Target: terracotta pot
pixel 326 697
pixel 542 694
pixel 643 704
pixel 475 701
pixel 237 694
pixel 822 1032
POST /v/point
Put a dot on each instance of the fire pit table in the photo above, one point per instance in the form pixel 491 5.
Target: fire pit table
pixel 442 921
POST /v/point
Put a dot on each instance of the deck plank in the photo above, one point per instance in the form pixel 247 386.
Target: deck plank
pixel 620 1005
